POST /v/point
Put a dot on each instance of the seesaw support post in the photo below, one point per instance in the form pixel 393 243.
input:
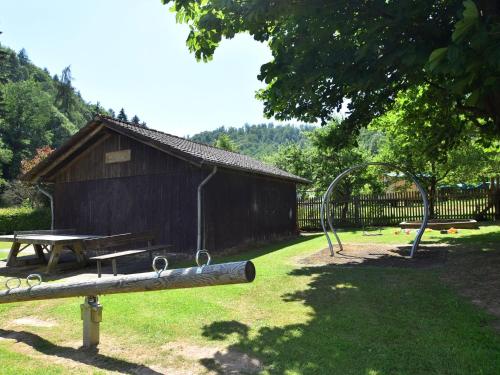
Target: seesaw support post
pixel 91 313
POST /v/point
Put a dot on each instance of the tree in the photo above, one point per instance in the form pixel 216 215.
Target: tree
pixel 97 109
pixel 122 116
pixel 226 143
pixel 257 140
pixel 40 154
pixel 112 113
pixel 428 137
pixel 320 160
pixel 5 159
pixel 18 192
pixel 135 120
pixel 470 63
pixel 30 121
pixel 65 97
pixel 365 52
pixel 10 69
pixel 23 57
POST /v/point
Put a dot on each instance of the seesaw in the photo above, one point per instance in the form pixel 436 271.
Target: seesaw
pixel 160 279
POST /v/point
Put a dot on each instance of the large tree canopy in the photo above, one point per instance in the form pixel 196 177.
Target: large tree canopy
pixel 362 51
pixel 424 135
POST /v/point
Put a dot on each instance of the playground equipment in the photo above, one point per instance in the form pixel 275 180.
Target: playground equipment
pixel 161 278
pixel 325 204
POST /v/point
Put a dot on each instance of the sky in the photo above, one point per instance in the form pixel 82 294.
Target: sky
pixel 132 54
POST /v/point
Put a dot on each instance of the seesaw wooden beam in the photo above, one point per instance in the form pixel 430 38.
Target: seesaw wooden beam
pixel 217 274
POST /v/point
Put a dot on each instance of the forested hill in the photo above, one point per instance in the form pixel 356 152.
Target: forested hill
pixel 257 140
pixel 36 109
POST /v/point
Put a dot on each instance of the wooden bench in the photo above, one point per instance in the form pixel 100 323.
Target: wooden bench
pixel 122 240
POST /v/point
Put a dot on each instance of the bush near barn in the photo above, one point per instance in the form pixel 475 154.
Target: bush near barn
pixel 23 218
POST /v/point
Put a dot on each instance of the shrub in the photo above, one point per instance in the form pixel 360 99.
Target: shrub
pixel 23 218
pixel 17 193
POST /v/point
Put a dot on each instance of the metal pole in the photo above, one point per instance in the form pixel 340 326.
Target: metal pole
pixel 91 313
pixel 335 182
pixel 199 244
pixel 47 194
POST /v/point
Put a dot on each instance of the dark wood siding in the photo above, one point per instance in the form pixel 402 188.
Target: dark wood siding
pixel 243 208
pixel 162 203
pixel 156 191
pixel 90 164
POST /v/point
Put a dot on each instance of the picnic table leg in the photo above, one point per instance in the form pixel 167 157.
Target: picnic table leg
pixel 99 270
pixel 113 263
pixel 14 250
pixel 79 253
pixel 54 257
pixel 39 253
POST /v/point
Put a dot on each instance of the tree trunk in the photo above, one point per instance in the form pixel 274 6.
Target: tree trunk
pixel 346 196
pixel 495 193
pixel 432 197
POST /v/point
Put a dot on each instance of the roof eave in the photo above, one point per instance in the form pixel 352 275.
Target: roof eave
pixel 295 179
pixel 41 169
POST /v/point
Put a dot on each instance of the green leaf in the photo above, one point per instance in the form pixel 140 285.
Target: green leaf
pixel 470 9
pixel 462 27
pixel 436 56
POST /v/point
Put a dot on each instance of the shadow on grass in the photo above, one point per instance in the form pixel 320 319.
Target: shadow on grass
pixel 368 321
pixel 89 357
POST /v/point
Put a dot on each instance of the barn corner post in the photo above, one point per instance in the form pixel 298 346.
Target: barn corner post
pixel 91 315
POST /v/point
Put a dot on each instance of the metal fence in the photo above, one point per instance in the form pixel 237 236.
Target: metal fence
pixel 392 208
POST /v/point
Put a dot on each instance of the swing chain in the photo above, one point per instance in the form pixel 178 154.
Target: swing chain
pixel 155 267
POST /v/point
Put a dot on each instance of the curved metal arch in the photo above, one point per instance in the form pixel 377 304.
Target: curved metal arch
pixel 335 182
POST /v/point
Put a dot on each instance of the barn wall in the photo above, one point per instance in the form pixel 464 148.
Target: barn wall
pixel 155 191
pixel 162 203
pixel 243 208
pixel 151 192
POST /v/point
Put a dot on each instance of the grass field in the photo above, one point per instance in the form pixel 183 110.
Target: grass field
pixel 293 319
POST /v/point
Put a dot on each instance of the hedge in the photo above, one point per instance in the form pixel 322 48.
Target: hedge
pixel 23 218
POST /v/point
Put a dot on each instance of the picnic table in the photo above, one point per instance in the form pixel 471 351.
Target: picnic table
pixel 54 243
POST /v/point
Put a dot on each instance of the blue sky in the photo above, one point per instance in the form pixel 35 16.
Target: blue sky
pixel 132 54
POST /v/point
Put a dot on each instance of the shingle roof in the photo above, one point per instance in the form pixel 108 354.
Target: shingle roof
pixel 197 152
pixel 202 152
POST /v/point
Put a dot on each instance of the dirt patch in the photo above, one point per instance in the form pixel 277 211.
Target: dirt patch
pixel 222 361
pixel 33 322
pixel 380 255
pixel 176 358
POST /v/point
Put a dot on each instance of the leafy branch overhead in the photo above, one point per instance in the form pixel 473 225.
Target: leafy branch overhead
pixel 363 52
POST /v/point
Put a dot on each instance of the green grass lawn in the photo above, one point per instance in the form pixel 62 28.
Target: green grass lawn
pixel 295 319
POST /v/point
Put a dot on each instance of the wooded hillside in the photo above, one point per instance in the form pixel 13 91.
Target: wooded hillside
pixel 257 140
pixel 36 109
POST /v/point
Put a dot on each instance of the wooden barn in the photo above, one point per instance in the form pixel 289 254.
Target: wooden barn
pixel 116 177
